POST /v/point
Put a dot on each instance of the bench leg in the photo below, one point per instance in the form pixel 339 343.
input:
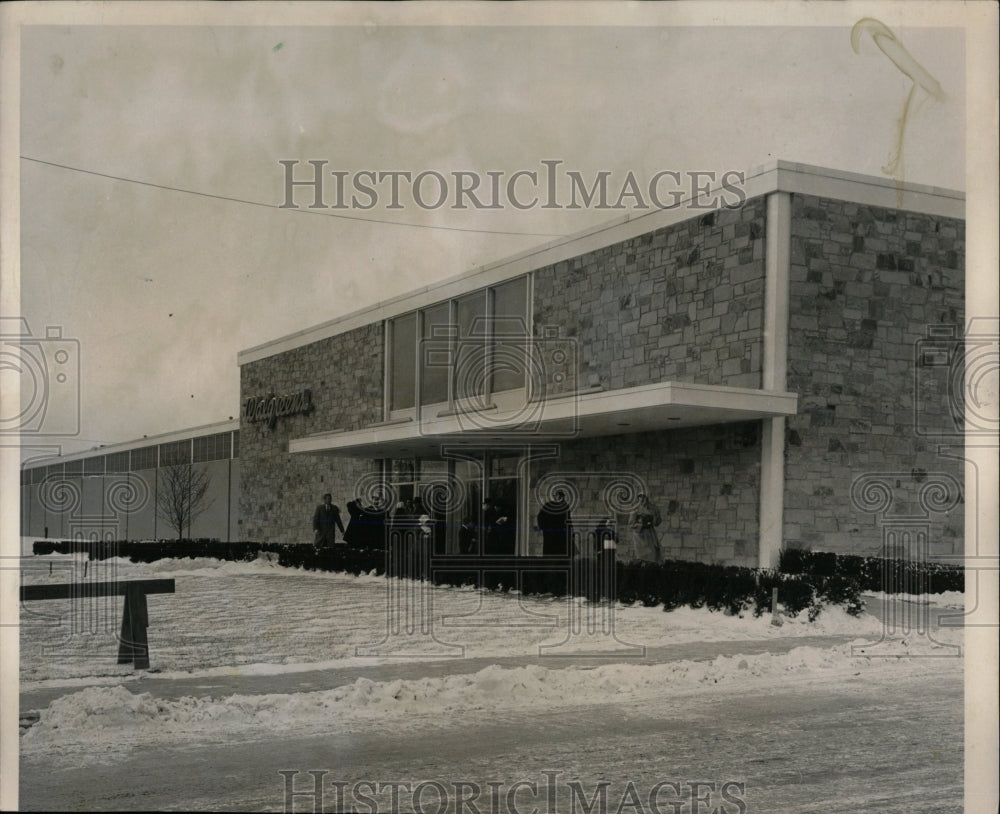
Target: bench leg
pixel 133 645
pixel 125 637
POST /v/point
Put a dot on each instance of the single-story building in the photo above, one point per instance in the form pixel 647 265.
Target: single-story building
pixel 112 492
pixel 783 369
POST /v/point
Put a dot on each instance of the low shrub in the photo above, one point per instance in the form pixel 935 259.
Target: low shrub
pixel 671 584
pixel 876 573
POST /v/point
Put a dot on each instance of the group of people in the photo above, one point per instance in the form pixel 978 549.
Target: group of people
pixel 556 525
pixel 498 534
pixel 365 527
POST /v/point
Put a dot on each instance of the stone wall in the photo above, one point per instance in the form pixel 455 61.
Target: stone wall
pixel 682 303
pixel 704 480
pixel 686 303
pixel 866 284
pixel 279 491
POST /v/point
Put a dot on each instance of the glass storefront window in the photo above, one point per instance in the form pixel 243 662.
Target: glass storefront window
pixel 404 335
pixel 468 348
pixel 509 335
pixel 470 359
pixel 435 360
pixel 475 503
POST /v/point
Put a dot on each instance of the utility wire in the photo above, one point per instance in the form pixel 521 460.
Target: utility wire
pixel 285 209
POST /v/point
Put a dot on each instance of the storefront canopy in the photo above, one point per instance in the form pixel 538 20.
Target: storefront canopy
pixel 588 414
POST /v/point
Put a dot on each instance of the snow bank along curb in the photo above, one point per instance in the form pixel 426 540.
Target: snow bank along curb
pixel 113 713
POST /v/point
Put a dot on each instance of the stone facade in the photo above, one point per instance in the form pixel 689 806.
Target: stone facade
pixel 682 303
pixel 279 491
pixel 866 283
pixel 686 303
pixel 704 480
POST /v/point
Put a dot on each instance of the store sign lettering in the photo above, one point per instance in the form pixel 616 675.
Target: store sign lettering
pixel 271 408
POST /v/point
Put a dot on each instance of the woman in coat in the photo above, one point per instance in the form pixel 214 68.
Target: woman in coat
pixel 642 524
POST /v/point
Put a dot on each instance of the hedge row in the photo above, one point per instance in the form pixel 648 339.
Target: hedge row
pixel 671 584
pixel 875 573
pixel 674 583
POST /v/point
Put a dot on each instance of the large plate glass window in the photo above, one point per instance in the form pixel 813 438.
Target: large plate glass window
pixel 402 385
pixel 435 357
pixel 470 359
pixel 509 334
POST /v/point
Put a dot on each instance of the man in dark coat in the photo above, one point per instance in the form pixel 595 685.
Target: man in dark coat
pixel 504 530
pixel 556 526
pixel 356 534
pixel 490 536
pixel 468 540
pixel 606 541
pixel 326 521
pixel 374 527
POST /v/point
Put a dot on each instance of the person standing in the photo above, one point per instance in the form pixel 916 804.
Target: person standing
pixel 642 524
pixel 375 526
pixel 355 534
pixel 606 543
pixel 326 521
pixel 556 525
pixel 468 540
pixel 504 530
pixel 491 535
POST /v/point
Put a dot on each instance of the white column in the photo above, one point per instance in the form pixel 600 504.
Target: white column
pixel 777 266
pixel 772 489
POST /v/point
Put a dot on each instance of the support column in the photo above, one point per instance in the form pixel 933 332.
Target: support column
pixel 772 492
pixel 777 269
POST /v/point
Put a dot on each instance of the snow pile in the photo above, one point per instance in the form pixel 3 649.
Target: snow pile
pixel 945 599
pixel 113 715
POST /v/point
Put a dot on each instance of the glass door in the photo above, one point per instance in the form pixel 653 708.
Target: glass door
pixel 501 505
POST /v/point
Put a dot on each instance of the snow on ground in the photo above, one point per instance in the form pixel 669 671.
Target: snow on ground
pixel 945 599
pixel 116 720
pixel 259 617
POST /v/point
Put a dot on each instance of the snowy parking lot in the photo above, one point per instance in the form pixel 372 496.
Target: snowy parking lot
pixel 252 662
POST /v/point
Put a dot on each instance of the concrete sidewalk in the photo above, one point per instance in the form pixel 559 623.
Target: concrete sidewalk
pixel 414 668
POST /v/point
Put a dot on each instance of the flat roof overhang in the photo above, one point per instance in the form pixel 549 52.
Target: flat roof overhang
pixel 774 176
pixel 588 414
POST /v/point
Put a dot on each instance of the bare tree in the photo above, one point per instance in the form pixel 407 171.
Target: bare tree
pixel 182 495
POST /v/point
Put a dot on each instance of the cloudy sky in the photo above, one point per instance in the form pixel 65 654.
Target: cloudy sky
pixel 163 271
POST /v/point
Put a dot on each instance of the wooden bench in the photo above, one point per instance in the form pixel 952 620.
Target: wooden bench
pixel 133 645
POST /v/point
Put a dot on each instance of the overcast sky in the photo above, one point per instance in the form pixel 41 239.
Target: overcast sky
pixel 162 288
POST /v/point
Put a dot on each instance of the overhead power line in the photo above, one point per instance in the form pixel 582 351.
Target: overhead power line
pixel 284 209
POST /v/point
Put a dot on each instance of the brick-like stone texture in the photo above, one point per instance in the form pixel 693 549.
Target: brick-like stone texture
pixel 704 480
pixel 279 491
pixel 682 303
pixel 866 283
